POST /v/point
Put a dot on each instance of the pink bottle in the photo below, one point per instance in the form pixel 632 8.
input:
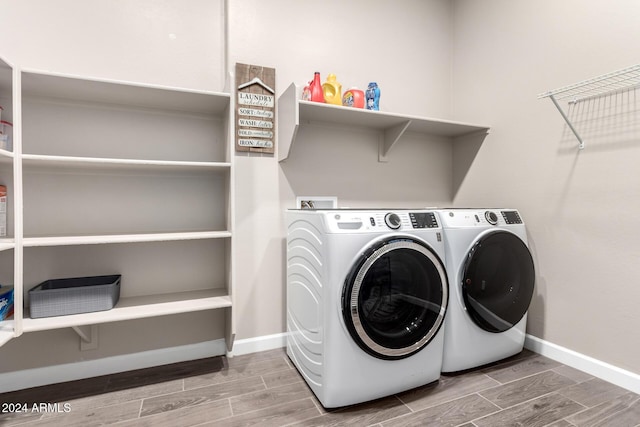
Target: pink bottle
pixel 317 95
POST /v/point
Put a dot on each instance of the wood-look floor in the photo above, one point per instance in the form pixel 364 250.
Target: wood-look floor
pixel 264 389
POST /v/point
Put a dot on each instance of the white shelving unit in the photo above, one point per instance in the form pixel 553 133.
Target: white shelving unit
pixel 293 113
pixel 8 259
pixel 104 169
pixel 606 84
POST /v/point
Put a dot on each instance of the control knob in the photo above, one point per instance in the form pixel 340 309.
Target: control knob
pixel 491 217
pixel 392 220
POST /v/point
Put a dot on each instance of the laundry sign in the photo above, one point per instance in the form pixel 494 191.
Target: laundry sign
pixel 268 124
pixel 255 99
pixel 255 108
pixel 252 112
pixel 258 133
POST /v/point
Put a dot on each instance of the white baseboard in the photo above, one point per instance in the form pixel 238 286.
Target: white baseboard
pixel 11 381
pixel 28 378
pixel 254 345
pixel 19 380
pixel 595 367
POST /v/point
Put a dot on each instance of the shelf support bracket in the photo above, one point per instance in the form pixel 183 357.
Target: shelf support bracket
pixel 566 119
pixel 389 139
pixel 88 336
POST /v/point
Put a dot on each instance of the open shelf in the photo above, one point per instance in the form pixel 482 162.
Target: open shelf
pixel 6 70
pixel 110 163
pixel 137 308
pixel 605 84
pixel 62 87
pixel 6 331
pixel 5 156
pixel 294 112
pixel 6 244
pixel 624 79
pixel 122 238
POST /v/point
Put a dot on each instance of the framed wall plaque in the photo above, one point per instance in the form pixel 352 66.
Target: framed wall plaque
pixel 255 108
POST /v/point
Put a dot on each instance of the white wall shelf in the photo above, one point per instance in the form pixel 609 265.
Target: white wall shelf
pixel 137 308
pixel 77 89
pixel 67 162
pixel 293 113
pixel 6 244
pixel 6 331
pixel 98 162
pixel 606 84
pixel 122 238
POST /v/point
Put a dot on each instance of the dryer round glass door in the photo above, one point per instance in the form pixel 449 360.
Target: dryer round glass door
pixel 394 299
pixel 497 281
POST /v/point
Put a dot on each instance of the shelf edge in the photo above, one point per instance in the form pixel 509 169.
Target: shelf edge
pixel 132 312
pixel 106 161
pixel 122 238
pixel 288 121
pixel 125 83
pixel 6 153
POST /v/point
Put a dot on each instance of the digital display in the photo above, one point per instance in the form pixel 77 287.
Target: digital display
pixel 511 217
pixel 423 220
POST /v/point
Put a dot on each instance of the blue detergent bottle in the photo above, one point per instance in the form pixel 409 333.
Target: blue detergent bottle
pixel 373 96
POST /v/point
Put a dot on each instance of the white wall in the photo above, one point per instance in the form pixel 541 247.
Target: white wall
pixel 477 61
pixel 167 42
pixel 581 207
pixel 406 47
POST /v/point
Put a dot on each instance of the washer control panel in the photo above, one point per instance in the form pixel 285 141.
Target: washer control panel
pixel 405 220
pixel 423 220
pixel 382 220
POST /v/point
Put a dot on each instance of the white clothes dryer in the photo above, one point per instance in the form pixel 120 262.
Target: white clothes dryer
pixel 492 276
pixel 367 293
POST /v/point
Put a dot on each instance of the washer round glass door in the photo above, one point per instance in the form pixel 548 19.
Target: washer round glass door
pixel 394 299
pixel 497 281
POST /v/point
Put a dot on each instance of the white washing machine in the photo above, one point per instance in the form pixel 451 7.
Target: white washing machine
pixel 491 275
pixel 367 293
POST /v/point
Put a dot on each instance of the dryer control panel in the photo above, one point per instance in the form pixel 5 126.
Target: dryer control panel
pixel 480 217
pixel 511 217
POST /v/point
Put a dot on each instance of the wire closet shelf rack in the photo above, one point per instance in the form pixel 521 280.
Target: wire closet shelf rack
pixel 606 84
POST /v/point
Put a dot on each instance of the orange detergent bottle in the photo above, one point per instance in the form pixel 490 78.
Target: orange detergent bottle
pixel 353 97
pixel 332 90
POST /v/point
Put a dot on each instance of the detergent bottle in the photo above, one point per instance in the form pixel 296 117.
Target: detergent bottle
pixel 306 92
pixel 316 88
pixel 373 96
pixel 353 97
pixel 332 90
